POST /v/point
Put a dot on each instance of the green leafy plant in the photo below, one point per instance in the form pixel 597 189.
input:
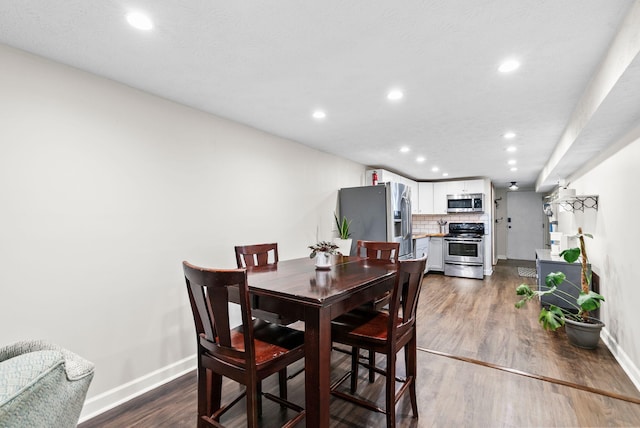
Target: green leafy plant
pixel 343 227
pixel 323 247
pixel 554 317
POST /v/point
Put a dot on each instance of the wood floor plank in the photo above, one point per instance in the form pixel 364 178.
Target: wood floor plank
pixel 472 319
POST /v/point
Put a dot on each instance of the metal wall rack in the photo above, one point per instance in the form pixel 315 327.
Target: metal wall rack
pixel 579 203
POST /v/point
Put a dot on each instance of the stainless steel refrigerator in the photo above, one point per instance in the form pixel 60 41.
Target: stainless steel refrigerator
pixel 379 213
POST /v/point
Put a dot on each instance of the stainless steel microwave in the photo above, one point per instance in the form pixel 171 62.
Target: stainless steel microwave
pixel 465 203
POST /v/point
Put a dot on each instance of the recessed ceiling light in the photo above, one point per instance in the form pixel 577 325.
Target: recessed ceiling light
pixel 395 95
pixel 509 66
pixel 404 149
pixel 139 20
pixel 421 159
pixel 435 169
pixel 511 149
pixel 319 114
pixel 509 135
pixel 514 168
pixel 445 174
pixel 511 162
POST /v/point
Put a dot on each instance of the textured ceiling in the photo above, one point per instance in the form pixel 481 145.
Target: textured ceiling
pixel 270 63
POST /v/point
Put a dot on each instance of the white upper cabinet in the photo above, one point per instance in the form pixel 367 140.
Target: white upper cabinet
pixel 428 197
pixel 425 190
pixel 465 186
pixel 440 192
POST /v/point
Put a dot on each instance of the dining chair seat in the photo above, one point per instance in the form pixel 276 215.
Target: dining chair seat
pixel 368 326
pixel 271 342
pixel 384 332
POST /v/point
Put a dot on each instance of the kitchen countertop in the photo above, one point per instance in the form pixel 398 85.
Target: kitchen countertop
pixel 426 235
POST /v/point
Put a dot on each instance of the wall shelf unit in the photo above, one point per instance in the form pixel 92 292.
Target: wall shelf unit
pixel 579 203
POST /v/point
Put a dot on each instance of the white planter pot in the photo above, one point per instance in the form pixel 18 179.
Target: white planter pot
pixel 323 260
pixel 344 245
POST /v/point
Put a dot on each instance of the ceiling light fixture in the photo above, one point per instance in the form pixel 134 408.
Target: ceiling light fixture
pixel 509 66
pixel 445 174
pixel 509 135
pixel 511 162
pixel 395 95
pixel 421 159
pixel 435 169
pixel 513 169
pixel 139 20
pixel 319 114
pixel 513 186
pixel 511 149
pixel 404 149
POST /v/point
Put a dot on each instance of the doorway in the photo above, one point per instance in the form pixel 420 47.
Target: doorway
pixel 525 225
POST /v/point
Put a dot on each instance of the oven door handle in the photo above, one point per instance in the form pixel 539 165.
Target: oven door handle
pixel 462 240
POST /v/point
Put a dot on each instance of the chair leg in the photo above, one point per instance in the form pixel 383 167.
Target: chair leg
pixel 372 362
pixel 410 352
pixel 282 378
pixel 203 394
pixel 355 356
pixel 390 393
pixel 216 392
pixel 254 403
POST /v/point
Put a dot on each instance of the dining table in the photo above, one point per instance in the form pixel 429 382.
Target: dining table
pixel 296 289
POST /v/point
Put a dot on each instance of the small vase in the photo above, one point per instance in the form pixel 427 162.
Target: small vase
pixel 323 260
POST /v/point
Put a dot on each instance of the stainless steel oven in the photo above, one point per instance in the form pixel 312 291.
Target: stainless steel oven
pixel 464 250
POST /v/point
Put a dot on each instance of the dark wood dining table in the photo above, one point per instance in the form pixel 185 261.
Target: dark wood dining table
pixel 296 289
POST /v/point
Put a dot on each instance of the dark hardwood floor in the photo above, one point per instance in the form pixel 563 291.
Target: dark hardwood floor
pixel 482 363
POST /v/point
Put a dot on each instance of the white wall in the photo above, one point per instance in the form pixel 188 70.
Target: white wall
pixel 105 190
pixel 612 251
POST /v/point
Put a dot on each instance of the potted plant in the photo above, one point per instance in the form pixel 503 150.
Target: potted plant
pixel 322 252
pixel 343 241
pixel 582 329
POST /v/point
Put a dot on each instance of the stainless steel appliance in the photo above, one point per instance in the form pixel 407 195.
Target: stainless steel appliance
pixel 465 203
pixel 464 250
pixel 379 213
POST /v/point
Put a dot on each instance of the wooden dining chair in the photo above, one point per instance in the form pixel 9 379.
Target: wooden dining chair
pixel 385 333
pixel 246 354
pixel 261 255
pixel 380 250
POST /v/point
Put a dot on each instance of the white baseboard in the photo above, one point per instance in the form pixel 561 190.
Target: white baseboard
pixel 501 257
pixel 623 359
pixel 123 393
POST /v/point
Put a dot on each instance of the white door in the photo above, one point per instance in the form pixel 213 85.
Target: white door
pixel 525 225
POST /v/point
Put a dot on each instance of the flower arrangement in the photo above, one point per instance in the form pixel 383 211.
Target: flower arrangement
pixel 323 247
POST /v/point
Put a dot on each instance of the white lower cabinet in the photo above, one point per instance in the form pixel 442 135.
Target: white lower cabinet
pixel 435 261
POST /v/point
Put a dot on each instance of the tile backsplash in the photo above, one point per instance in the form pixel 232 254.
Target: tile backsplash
pixel 428 223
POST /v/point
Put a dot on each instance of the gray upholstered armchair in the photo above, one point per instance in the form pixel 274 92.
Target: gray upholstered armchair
pixel 42 385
